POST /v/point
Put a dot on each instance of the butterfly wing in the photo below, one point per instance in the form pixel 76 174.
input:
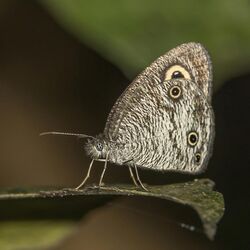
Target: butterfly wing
pixel 151 125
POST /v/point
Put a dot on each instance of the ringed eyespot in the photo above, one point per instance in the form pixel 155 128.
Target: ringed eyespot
pixel 193 138
pixel 177 71
pixel 175 92
pixel 197 158
pixel 99 146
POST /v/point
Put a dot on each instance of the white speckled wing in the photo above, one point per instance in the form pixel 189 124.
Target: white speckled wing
pixel 151 129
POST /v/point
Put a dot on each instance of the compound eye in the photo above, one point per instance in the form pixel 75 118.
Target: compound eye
pixel 175 92
pixel 192 138
pixel 99 146
pixel 176 72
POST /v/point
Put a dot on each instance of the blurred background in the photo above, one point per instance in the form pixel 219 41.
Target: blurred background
pixel 63 63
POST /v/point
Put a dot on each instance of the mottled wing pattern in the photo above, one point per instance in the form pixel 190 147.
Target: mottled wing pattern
pixel 151 129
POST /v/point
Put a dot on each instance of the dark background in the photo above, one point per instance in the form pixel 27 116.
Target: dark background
pixel 50 80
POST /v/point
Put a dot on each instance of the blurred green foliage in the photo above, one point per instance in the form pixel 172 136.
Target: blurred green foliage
pixel 33 234
pixel 132 33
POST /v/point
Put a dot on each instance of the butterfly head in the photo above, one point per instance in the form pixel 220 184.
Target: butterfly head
pixel 97 147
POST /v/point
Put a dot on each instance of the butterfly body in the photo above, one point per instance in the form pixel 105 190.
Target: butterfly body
pixel 164 119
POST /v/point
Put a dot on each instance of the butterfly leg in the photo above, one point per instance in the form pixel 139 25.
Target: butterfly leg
pixel 139 180
pixel 103 171
pixel 87 176
pixel 132 176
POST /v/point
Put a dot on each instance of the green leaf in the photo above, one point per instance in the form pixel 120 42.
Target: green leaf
pixel 34 234
pixel 132 34
pixel 197 194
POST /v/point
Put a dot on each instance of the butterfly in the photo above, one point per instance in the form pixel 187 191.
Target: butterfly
pixel 163 120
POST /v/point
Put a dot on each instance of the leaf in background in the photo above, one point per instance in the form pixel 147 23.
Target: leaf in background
pixel 132 33
pixel 197 194
pixel 33 234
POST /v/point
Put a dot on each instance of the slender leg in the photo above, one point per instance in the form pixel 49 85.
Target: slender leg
pixel 132 176
pixel 87 176
pixel 139 180
pixel 103 171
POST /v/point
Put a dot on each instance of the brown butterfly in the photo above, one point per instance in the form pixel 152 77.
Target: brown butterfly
pixel 163 120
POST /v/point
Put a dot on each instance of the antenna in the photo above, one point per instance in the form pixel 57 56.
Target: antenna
pixel 66 134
